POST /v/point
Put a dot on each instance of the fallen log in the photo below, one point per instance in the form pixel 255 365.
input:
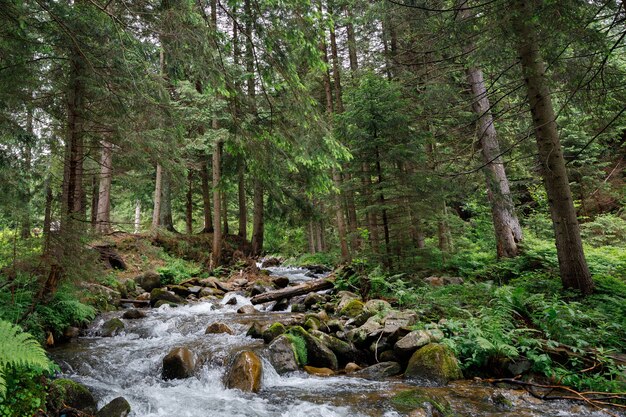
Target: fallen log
pixel 288 292
pixel 130 300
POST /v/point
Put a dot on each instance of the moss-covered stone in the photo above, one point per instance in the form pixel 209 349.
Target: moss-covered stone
pixel 408 400
pixel 317 353
pixel 65 392
pixel 159 294
pixel 119 407
pixel 273 331
pixel 433 363
pixel 312 323
pixel 255 331
pixel 353 308
pixel 112 327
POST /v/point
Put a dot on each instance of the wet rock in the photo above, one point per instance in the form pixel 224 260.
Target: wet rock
pixel 133 314
pixel 353 308
pixel 218 328
pixel 273 331
pixel 159 294
pixel 67 393
pixel 334 326
pixel 280 282
pixel 380 370
pixel 311 370
pixel 144 296
pixel 194 289
pixel 271 262
pixel 179 290
pixel 344 298
pixel 395 320
pixel 344 351
pixel 434 363
pixel 178 364
pixel 245 372
pixel 281 305
pixel 71 332
pixel 118 407
pixel 282 355
pixel 212 282
pixel 362 334
pixel 425 402
pixel 411 342
pixel 148 281
pixel 352 367
pixel 318 269
pixel 298 308
pixel 106 296
pixel 232 301
pixel 247 309
pixel 376 306
pixel 210 292
pixel 255 331
pixel 312 323
pixel 164 303
pixel 257 289
pixel 313 298
pixel 317 353
pixel 112 327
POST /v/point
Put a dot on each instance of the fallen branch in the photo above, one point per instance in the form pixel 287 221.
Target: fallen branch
pixel 288 292
pixel 129 300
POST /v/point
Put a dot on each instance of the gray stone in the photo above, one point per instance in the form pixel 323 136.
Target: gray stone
pixel 247 309
pixel 148 280
pixel 318 354
pixel 282 356
pixel 133 313
pixel 112 327
pixel 118 407
pixel 380 370
pixel 159 294
pixel 412 341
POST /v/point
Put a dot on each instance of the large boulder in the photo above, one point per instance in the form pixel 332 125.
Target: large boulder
pixel 435 364
pixel 352 308
pixel 376 306
pixel 411 342
pixel 112 327
pixel 67 393
pixel 255 331
pixel 133 314
pixel 371 329
pixel 273 331
pixel 282 355
pixel 396 320
pixel 159 294
pixel 178 364
pixel 318 354
pixel 345 352
pixel 148 280
pixel 245 372
pixel 218 328
pixel 380 370
pixel 118 407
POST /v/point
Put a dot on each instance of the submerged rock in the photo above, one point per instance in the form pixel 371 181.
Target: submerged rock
pixel 68 393
pixel 318 371
pixel 178 364
pixel 434 363
pixel 112 327
pixel 133 314
pixel 217 328
pixel 118 407
pixel 245 372
pixel 282 355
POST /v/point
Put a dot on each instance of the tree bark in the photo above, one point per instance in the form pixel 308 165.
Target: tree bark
pixel 28 155
pixel 372 221
pixel 225 230
pixel 352 54
pixel 189 203
pixel 166 221
pixel 206 199
pixel 258 222
pixel 47 218
pixel 508 231
pixel 156 212
pixel 137 216
pixel 311 236
pixel 103 216
pixel 301 289
pixel 381 200
pixel 241 190
pixel 572 263
pixel 216 254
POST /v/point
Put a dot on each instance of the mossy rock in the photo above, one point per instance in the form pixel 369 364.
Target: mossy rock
pixel 255 331
pixel 353 308
pixel 112 327
pixel 299 348
pixel 406 401
pixel 312 323
pixel 273 331
pixel 159 294
pixel 65 392
pixel 433 363
pixel 318 354
pixel 163 303
pixel 119 407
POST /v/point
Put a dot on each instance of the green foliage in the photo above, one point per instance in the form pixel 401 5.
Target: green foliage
pixel 177 270
pixel 19 349
pixel 26 392
pixel 329 259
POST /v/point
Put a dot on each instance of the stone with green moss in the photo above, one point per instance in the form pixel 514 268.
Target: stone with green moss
pixel 159 294
pixel 165 302
pixel 273 331
pixel 112 327
pixel 318 354
pixel 433 363
pixel 65 392
pixel 299 348
pixel 312 323
pixel 417 398
pixel 353 308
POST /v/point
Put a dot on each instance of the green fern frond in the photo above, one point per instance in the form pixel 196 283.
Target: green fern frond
pixel 18 348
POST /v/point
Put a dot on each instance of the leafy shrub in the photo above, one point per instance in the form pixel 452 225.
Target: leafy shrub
pixel 177 270
pixel 605 230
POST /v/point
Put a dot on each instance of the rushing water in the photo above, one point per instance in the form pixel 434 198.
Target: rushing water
pixel 129 365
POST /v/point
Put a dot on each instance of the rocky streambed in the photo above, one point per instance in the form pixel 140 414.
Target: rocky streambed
pixel 333 356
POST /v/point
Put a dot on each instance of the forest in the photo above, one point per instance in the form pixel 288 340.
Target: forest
pixel 379 208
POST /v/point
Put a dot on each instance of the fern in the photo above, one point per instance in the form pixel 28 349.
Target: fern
pixel 18 348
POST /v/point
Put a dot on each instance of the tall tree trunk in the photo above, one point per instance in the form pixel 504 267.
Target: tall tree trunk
pixel 216 255
pixel 103 216
pixel 225 230
pixel 74 150
pixel 572 263
pixel 311 236
pixel 258 222
pixel 166 220
pixel 243 210
pixel 381 200
pixel 372 221
pixel 319 235
pixel 189 205
pixel 137 216
pixel 47 217
pixel 158 183
pixel 25 218
pixel 206 199
pixel 95 189
pixel 352 51
pixel 508 231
